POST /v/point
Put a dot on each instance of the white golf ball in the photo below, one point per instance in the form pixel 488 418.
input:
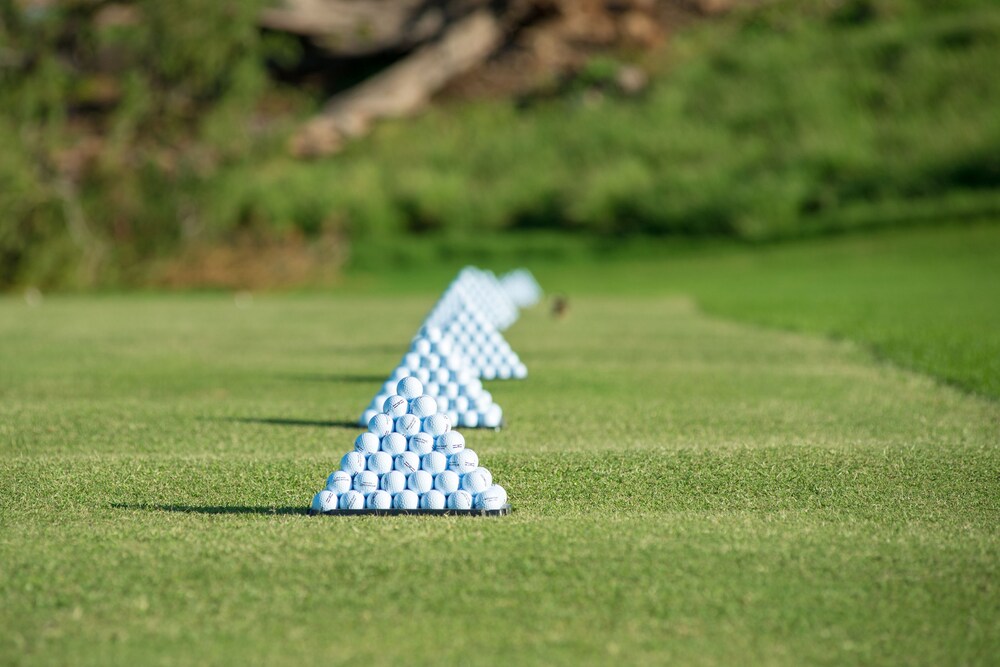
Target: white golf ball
pixel 421 443
pixel 408 425
pixel 432 388
pixel 420 481
pixel 392 482
pixel 475 482
pixel 423 406
pixel 460 500
pixel 520 371
pixel 488 500
pixel 405 500
pixel 449 442
pixel 453 417
pixel 470 419
pixel 395 406
pixel 423 375
pixel 352 500
pixel 338 481
pixel 443 404
pixel 432 334
pixel 463 462
pixel 450 391
pixel 393 444
pixel 365 481
pixel 431 362
pixel 387 387
pixel 493 416
pixel 421 346
pixel 442 347
pixel 324 501
pixel 378 500
pixel 411 360
pixel 353 462
pixel 380 463
pixel 489 372
pixel 487 474
pixel 504 372
pixel 432 500
pixel 381 424
pixel 410 387
pixel 441 376
pixel 446 482
pixel 437 424
pixel 434 462
pixel 366 443
pixel 406 462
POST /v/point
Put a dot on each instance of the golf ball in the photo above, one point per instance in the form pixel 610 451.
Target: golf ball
pixel 475 482
pixel 381 424
pixel 423 406
pixel 463 462
pixel 378 500
pixel 410 387
pixel 392 482
pixel 365 481
pixel 437 424
pixel 460 500
pixel 366 443
pixel 353 462
pixel 405 500
pixel 338 481
pixel 408 425
pixel 352 500
pixel 433 462
pixel 488 500
pixel 420 481
pixel 451 442
pixel 393 444
pixel 380 463
pixel 421 443
pixel 470 419
pixel 487 474
pixel 446 482
pixel 395 406
pixel 493 416
pixel 406 462
pixel 432 500
pixel 324 501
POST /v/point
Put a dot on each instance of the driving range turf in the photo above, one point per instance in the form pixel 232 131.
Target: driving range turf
pixel 686 487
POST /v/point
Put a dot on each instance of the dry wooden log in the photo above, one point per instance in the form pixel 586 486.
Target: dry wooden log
pixel 365 27
pixel 404 87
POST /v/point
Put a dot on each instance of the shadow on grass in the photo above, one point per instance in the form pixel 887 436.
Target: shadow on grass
pixel 282 421
pixel 209 509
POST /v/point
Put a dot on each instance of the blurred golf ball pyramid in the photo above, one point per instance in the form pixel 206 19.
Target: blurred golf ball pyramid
pixel 487 352
pixel 410 458
pixel 435 363
pixel 521 287
pixel 475 289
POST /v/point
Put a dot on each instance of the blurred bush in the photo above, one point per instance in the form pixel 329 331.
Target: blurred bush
pixel 778 121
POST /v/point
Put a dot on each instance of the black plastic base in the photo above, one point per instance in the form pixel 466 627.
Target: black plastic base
pixel 503 511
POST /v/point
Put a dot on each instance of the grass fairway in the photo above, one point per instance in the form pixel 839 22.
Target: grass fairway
pixel 686 488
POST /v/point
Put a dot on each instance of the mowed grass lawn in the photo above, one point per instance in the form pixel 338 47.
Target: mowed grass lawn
pixel 686 488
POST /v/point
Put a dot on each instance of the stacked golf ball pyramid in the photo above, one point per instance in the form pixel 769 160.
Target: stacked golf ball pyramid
pixel 410 458
pixel 445 375
pixel 488 353
pixel 478 290
pixel 521 287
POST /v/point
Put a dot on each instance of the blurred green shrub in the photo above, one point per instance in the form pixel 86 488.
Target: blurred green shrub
pixel 791 119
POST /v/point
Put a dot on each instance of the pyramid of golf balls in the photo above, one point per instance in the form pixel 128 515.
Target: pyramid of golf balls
pixel 410 458
pixel 478 290
pixel 488 353
pixel 521 287
pixel 445 375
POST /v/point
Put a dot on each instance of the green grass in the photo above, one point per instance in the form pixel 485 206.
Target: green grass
pixel 687 488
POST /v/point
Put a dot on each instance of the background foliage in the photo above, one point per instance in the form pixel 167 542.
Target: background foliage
pixel 153 130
